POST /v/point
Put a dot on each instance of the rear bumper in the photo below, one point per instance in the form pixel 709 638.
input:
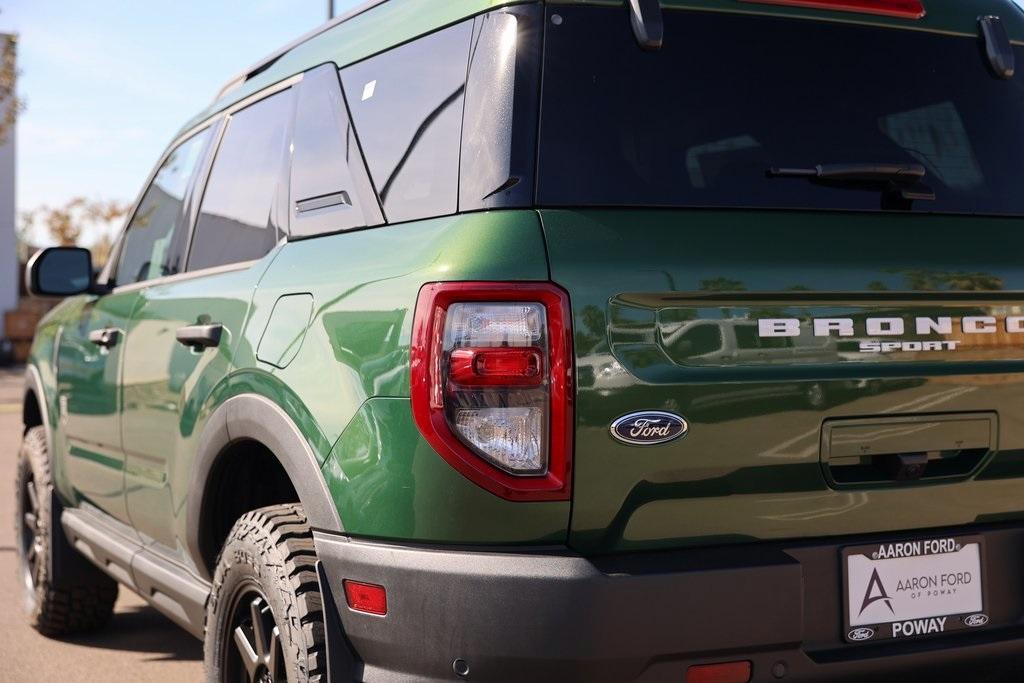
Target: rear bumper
pixel 647 617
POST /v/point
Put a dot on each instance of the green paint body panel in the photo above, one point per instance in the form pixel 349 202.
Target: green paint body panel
pixel 286 330
pixel 347 322
pixel 749 467
pixel 168 386
pixel 90 409
pixel 364 286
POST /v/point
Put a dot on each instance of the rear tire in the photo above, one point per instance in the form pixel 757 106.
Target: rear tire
pixel 52 610
pixel 264 619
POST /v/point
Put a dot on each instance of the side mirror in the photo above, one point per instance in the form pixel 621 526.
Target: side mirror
pixel 60 271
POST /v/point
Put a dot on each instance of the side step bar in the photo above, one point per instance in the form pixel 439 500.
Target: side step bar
pixel 168 586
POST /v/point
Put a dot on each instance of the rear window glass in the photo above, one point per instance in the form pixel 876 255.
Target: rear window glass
pixel 700 122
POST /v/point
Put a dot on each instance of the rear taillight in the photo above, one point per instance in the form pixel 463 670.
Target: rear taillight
pixel 491 384
pixel 903 9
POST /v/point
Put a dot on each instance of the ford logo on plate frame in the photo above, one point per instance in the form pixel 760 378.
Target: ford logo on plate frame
pixel 976 620
pixel 863 633
pixel 649 427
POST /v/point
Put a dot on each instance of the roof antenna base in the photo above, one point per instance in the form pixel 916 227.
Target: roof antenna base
pixel 648 26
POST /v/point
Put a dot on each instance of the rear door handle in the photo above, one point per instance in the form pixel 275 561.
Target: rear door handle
pixel 106 338
pixel 200 336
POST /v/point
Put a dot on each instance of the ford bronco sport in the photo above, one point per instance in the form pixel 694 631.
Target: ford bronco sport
pixel 579 340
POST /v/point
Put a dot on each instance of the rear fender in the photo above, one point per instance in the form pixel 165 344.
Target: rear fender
pixel 254 417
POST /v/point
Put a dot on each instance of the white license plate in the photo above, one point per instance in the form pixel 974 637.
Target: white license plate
pixel 913 588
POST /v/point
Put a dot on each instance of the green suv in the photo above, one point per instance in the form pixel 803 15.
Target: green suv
pixel 576 340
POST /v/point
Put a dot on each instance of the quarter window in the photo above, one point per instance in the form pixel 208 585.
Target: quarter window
pixel 330 188
pixel 154 243
pixel 407 107
pixel 235 222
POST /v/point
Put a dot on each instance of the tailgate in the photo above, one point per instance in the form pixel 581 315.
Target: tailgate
pixel 818 358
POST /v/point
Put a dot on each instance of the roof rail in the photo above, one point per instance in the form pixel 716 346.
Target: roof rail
pixel 268 61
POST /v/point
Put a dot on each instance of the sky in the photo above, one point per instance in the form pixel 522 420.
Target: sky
pixel 107 83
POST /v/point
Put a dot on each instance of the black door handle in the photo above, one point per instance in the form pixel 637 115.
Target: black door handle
pixel 106 337
pixel 200 336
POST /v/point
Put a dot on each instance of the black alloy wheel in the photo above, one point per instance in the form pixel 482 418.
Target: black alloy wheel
pixel 256 656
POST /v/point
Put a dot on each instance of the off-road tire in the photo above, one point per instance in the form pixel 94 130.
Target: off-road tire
pixel 269 554
pixel 52 610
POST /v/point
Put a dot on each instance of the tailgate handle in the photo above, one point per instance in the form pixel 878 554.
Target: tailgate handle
pixel 906 449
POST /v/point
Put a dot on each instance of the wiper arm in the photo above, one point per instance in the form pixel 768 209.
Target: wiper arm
pixel 899 173
pixel 900 184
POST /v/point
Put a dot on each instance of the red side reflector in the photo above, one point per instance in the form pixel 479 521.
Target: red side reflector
pixel 727 672
pixel 498 366
pixel 366 597
pixel 902 9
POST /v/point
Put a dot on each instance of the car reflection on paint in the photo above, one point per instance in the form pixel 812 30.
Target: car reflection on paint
pixel 729 343
pixel 736 341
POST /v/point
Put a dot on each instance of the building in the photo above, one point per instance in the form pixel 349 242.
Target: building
pixel 8 245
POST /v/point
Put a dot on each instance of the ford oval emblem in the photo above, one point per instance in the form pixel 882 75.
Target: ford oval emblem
pixel 649 427
pixel 861 634
pixel 976 620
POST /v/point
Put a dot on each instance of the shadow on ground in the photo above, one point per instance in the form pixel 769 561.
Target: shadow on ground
pixel 143 629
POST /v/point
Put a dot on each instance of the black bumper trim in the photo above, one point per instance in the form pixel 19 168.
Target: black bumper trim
pixel 555 615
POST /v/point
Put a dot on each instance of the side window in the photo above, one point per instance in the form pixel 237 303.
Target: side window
pixel 330 189
pixel 235 222
pixel 154 242
pixel 407 107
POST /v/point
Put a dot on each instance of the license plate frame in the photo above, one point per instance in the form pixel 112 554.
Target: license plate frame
pixel 917 564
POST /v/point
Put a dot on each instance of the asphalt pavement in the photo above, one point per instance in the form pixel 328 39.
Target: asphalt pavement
pixel 137 645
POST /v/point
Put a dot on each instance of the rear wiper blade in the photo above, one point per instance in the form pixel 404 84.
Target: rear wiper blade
pixel 910 173
pixel 900 184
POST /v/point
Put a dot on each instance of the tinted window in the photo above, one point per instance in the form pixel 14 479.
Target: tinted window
pixel 235 218
pixel 499 125
pixel 700 122
pixel 330 189
pixel 154 243
pixel 407 108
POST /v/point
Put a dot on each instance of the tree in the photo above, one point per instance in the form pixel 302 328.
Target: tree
pixel 10 104
pixel 66 224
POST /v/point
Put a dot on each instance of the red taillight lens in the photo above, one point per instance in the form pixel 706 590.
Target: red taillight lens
pixel 726 672
pixel 366 597
pixel 903 9
pixel 491 384
pixel 497 367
